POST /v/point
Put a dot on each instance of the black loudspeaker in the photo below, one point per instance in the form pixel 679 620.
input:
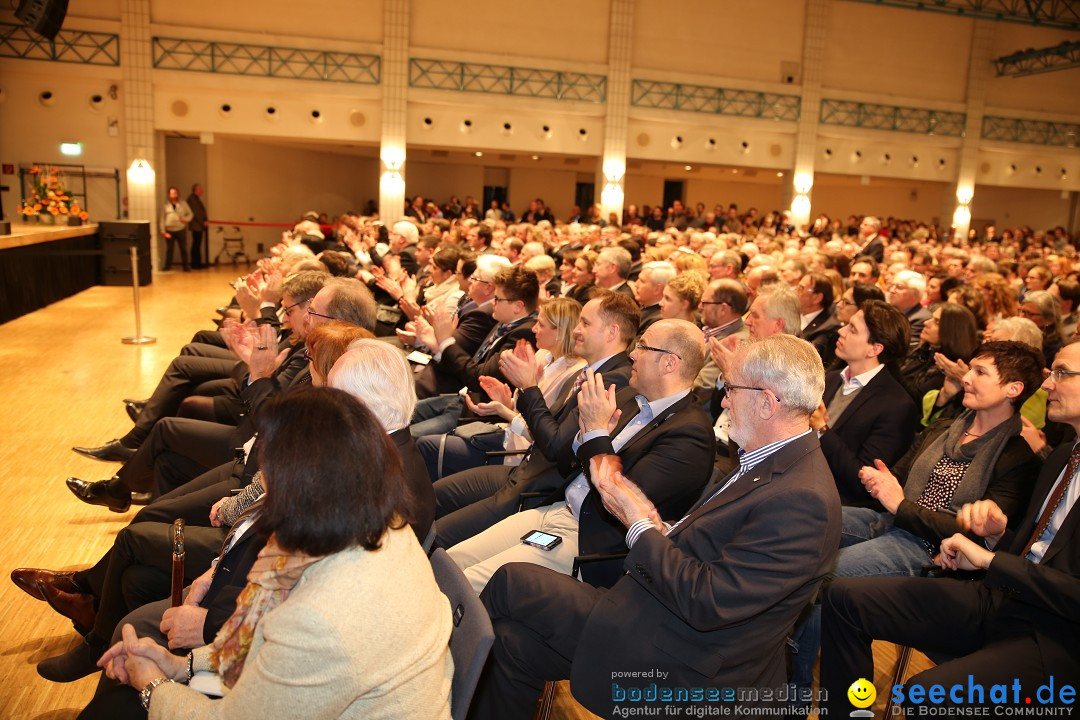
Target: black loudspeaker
pixel 115 240
pixel 45 17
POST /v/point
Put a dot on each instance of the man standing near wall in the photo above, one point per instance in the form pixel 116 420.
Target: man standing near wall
pixel 200 249
pixel 174 223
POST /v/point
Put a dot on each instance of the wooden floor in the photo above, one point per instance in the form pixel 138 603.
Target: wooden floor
pixel 65 372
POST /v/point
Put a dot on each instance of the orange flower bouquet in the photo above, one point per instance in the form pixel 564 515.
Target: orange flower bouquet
pixel 49 199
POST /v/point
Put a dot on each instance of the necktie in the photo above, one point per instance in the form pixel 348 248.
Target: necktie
pixel 497 334
pixel 580 380
pixel 1055 499
pixel 225 545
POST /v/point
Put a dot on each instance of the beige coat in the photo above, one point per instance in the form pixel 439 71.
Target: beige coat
pixel 363 635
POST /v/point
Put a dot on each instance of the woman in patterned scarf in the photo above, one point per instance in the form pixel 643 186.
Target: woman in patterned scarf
pixel 341 616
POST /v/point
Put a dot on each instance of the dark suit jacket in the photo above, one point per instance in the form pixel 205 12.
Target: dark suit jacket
pixel 917 317
pixel 879 424
pixel 649 315
pixel 822 333
pixel 416 477
pixel 1045 596
pixel 670 460
pixel 625 289
pixel 555 427
pixel 875 249
pixel 457 368
pixel 229 581
pixel 713 602
pixel 474 324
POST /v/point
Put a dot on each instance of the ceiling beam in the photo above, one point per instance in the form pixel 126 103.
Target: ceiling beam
pixel 1032 62
pixel 1060 14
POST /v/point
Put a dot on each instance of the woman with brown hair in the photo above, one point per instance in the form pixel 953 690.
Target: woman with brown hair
pixel 341 616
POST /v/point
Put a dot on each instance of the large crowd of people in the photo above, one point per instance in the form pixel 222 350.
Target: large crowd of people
pixel 695 443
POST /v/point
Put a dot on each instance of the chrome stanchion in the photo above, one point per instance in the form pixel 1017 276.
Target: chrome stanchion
pixel 138 338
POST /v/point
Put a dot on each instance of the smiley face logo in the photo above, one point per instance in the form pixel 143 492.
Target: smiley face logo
pixel 862 693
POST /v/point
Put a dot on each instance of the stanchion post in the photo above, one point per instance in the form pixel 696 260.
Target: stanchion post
pixel 138 338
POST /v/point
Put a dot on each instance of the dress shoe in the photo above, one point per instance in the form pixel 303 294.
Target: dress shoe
pixel 77 607
pixel 111 450
pixel 97 493
pixel 138 498
pixel 76 663
pixel 139 403
pixel 133 411
pixel 30 581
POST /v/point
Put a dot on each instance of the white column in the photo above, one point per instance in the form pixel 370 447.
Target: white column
pixel 815 36
pixel 979 68
pixel 136 63
pixel 395 81
pixel 613 164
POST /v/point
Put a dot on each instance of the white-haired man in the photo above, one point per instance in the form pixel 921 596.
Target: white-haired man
pixel 905 293
pixel 706 601
pixel 403 239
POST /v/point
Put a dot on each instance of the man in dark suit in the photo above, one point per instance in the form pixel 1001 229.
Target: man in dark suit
pixel 865 414
pixel 906 292
pixel 511 293
pixel 1017 624
pixel 870 240
pixel 722 306
pixel 649 290
pixel 612 270
pixel 818 315
pixel 473 500
pixel 657 430
pixel 706 602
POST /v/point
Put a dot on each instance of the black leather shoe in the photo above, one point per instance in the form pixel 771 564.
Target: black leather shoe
pixel 30 581
pixel 133 411
pixel 140 403
pixel 97 493
pixel 138 498
pixel 76 663
pixel 111 450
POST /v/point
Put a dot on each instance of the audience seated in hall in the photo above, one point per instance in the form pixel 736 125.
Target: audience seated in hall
pixel 676 345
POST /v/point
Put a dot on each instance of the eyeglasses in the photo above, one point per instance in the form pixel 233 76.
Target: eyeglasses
pixel 643 346
pixel 496 300
pixel 312 312
pixel 846 303
pixel 289 309
pixel 729 386
pixel 473 278
pixel 307 354
pixel 1058 374
pixel 712 302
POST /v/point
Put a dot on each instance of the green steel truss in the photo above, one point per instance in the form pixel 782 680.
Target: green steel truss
pixel 892 117
pixel 1036 132
pixel 265 61
pixel 70 46
pixel 1032 62
pixel 1063 14
pixel 507 80
pixel 715 100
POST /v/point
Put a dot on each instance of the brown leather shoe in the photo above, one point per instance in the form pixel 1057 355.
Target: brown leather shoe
pixel 77 607
pixel 30 581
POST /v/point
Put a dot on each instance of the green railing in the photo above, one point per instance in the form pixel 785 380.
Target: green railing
pixel 507 80
pixel 265 61
pixel 892 117
pixel 70 46
pixel 1036 132
pixel 719 101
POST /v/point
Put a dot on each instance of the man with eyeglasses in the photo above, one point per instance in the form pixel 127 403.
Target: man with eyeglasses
pixel 656 428
pixel 1017 623
pixel 817 319
pixel 707 596
pixel 906 293
pixel 173 450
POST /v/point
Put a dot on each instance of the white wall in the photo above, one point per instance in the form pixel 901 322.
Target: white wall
pixel 31 132
pixel 1009 207
pixel 251 181
pixel 840 196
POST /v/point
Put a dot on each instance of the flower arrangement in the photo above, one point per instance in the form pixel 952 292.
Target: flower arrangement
pixel 49 198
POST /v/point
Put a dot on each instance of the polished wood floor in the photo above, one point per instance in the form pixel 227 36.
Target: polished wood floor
pixel 64 374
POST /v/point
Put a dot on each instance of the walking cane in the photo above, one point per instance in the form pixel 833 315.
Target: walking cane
pixel 177 562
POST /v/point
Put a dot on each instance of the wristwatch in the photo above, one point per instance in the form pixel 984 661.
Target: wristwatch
pixel 144 696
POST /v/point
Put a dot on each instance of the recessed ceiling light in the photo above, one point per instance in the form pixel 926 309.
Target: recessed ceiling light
pixel 535 157
pixel 478 154
pixel 689 167
pixel 735 171
pixel 779 174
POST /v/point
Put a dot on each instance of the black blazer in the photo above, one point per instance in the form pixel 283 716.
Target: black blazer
pixel 1048 593
pixel 712 602
pixel 822 333
pixel 457 368
pixel 879 424
pixel 555 427
pixel 416 477
pixel 670 460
